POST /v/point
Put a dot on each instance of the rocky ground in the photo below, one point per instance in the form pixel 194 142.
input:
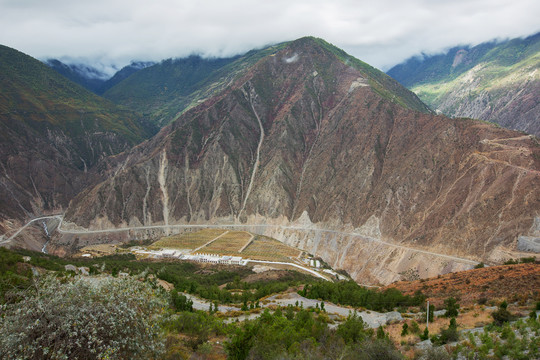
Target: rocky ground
pixel 517 282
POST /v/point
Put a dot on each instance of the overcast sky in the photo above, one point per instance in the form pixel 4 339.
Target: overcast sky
pixel 380 32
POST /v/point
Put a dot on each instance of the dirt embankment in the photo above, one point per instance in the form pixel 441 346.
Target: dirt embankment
pixel 512 282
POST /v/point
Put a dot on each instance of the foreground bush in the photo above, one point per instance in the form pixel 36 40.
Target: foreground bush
pixel 83 319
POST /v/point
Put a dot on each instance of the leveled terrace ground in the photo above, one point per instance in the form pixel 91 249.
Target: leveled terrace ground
pixel 233 243
pixel 265 248
pixel 229 244
pixel 187 240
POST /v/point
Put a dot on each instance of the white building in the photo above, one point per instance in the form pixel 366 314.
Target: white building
pixel 204 258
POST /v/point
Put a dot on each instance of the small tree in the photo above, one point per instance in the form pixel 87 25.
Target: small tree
pixel 405 329
pixel 425 335
pixel 415 329
pixel 289 313
pixel 431 312
pixel 352 330
pixel 451 307
pixel 380 333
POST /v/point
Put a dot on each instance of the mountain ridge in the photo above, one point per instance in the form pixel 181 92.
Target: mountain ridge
pixel 496 81
pixel 159 91
pixel 53 132
pixel 303 137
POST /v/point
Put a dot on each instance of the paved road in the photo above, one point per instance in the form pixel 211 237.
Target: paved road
pixel 29 223
pixel 202 226
pixel 291 264
pixel 372 319
pixel 201 304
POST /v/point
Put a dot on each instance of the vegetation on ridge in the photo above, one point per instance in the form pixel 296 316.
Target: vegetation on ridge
pixel 494 81
pixel 166 90
pixel 33 93
pixel 58 315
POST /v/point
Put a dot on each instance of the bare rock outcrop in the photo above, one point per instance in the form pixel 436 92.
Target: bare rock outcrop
pixel 296 142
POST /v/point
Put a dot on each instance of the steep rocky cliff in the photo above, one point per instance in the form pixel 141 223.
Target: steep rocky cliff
pixel 338 159
pixel 496 82
pixel 52 133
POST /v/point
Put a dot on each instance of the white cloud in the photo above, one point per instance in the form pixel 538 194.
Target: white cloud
pixel 381 33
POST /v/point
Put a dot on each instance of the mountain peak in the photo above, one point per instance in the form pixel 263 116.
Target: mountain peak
pixel 168 89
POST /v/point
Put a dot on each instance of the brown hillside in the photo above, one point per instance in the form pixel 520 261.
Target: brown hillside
pixel 306 141
pixel 512 282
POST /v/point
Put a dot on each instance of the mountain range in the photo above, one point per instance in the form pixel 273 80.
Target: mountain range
pixel 302 142
pixel 52 133
pixel 93 79
pixel 495 81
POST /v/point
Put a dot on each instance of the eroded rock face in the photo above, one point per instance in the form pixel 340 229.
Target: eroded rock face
pixel 494 81
pixel 514 105
pixel 52 135
pixel 314 141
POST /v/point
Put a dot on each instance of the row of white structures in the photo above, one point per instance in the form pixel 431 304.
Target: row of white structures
pixel 203 258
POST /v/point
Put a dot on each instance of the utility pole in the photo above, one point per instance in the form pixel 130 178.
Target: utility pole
pixel 427 315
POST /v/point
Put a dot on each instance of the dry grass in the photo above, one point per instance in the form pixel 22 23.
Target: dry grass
pixel 265 248
pixel 472 317
pixel 99 250
pixel 228 244
pixel 512 282
pixel 187 240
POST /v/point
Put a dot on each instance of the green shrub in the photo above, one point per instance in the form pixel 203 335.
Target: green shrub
pixel 196 326
pixel 181 302
pixel 425 334
pixel 449 334
pixel 405 329
pixel 415 328
pixel 431 312
pixel 380 333
pixel 502 315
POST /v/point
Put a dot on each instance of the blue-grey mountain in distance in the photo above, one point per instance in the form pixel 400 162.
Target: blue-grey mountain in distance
pixel 92 78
